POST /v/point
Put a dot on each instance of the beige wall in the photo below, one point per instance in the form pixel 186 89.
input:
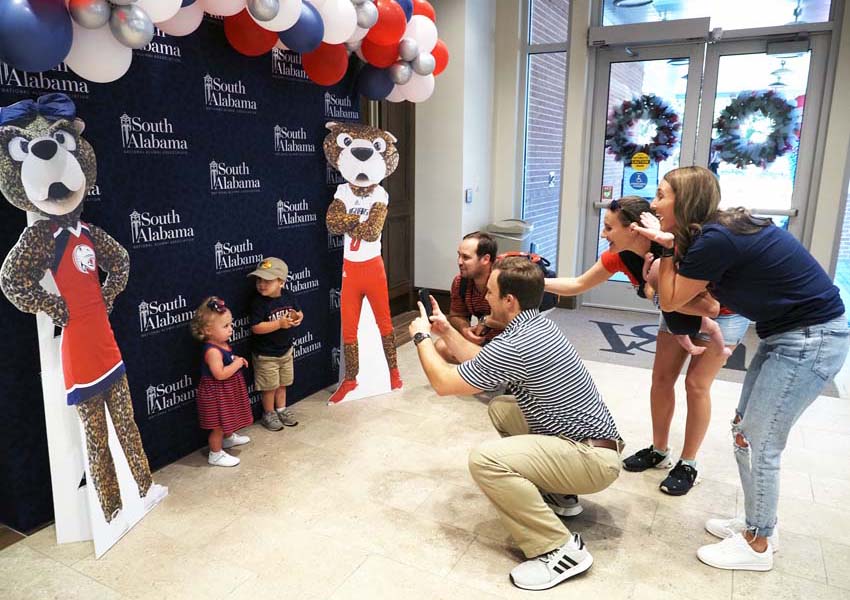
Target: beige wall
pixel 454 141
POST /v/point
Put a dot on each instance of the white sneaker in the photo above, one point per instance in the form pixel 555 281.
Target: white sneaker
pixel 222 459
pixel 154 496
pixel 565 505
pixel 726 528
pixel 234 439
pixel 735 553
pixel 550 569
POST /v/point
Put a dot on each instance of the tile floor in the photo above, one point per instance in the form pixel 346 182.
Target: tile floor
pixel 372 499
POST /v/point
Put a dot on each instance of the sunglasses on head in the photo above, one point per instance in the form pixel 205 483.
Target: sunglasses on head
pixel 216 304
pixel 615 205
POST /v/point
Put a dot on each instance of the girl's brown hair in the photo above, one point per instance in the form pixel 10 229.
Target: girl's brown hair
pixel 210 308
pixel 697 193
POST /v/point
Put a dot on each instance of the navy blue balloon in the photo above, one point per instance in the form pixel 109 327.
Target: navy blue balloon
pixel 307 33
pixel 407 7
pixel 187 3
pixel 374 83
pixel 35 35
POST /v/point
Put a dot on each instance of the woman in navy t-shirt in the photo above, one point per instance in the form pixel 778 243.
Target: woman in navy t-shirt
pixel 765 274
pixel 625 254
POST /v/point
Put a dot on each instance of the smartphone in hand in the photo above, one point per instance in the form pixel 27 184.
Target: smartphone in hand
pixel 425 299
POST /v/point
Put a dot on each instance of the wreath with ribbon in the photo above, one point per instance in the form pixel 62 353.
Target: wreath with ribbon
pixel 738 123
pixel 648 111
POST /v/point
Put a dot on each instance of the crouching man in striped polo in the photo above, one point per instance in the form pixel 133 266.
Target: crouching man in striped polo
pixel 558 438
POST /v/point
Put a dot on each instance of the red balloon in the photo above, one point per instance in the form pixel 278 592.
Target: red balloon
pixel 327 64
pixel 441 57
pixel 378 55
pixel 423 7
pixel 246 36
pixel 391 23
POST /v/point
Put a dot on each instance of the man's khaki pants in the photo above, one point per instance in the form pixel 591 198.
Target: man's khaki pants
pixel 514 470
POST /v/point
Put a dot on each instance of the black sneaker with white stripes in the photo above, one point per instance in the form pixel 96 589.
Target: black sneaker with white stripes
pixel 550 569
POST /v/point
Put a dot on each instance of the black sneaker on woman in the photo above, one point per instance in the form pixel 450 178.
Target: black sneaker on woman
pixel 648 458
pixel 680 480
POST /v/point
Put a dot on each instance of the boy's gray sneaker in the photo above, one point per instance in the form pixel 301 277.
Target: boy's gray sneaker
pixel 286 416
pixel 271 421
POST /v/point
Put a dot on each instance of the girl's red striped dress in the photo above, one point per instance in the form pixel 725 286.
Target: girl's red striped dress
pixel 223 403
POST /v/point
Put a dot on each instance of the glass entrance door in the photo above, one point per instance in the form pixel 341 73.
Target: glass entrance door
pixel 644 124
pixel 757 113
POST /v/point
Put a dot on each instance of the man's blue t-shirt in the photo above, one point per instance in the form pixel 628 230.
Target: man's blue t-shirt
pixel 263 309
pixel 768 276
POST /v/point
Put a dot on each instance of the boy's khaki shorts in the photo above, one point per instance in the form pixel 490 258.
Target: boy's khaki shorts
pixel 272 372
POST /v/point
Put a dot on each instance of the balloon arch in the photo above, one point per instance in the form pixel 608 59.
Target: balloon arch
pixel 396 39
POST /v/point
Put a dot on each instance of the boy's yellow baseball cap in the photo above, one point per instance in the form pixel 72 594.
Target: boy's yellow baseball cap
pixel 270 268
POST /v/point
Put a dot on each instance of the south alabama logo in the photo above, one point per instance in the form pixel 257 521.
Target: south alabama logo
pixel 165 397
pixel 162 47
pixel 287 65
pixel 229 96
pixel 139 136
pixel 156 316
pixel 302 281
pixel 292 141
pixel 340 108
pixel 305 345
pixel 232 179
pixel 230 256
pixel 84 260
pixel 295 214
pixel 58 79
pixel 151 229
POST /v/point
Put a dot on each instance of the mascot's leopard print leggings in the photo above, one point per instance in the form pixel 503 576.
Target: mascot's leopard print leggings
pixel 117 400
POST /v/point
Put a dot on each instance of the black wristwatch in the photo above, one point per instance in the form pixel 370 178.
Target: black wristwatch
pixel 419 336
pixel 668 252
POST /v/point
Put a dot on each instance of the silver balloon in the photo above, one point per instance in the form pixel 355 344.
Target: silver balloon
pixel 353 46
pixel 408 49
pixel 264 10
pixel 359 2
pixel 367 15
pixel 131 26
pixel 122 2
pixel 91 14
pixel 400 72
pixel 424 64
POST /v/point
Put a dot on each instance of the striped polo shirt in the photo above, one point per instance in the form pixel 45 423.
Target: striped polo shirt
pixel 541 368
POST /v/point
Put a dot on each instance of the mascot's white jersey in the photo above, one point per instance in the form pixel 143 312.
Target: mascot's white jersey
pixel 360 250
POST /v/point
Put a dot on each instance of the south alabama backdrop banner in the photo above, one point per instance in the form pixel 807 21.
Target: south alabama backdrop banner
pixel 208 161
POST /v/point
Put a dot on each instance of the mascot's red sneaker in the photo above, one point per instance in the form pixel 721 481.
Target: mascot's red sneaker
pixel 395 379
pixel 341 392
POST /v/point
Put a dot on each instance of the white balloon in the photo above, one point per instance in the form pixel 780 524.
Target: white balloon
pixel 317 4
pixel 186 21
pixel 223 8
pixel 419 88
pixel 397 95
pixel 286 17
pixel 359 34
pixel 159 10
pixel 423 30
pixel 340 20
pixel 97 56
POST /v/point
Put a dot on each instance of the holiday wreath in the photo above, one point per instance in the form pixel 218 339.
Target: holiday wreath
pixel 755 128
pixel 642 124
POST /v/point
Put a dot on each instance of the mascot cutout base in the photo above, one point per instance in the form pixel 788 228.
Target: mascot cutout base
pixel 46 169
pixel 364 156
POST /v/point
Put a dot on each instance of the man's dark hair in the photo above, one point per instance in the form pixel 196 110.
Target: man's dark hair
pixel 486 244
pixel 522 279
